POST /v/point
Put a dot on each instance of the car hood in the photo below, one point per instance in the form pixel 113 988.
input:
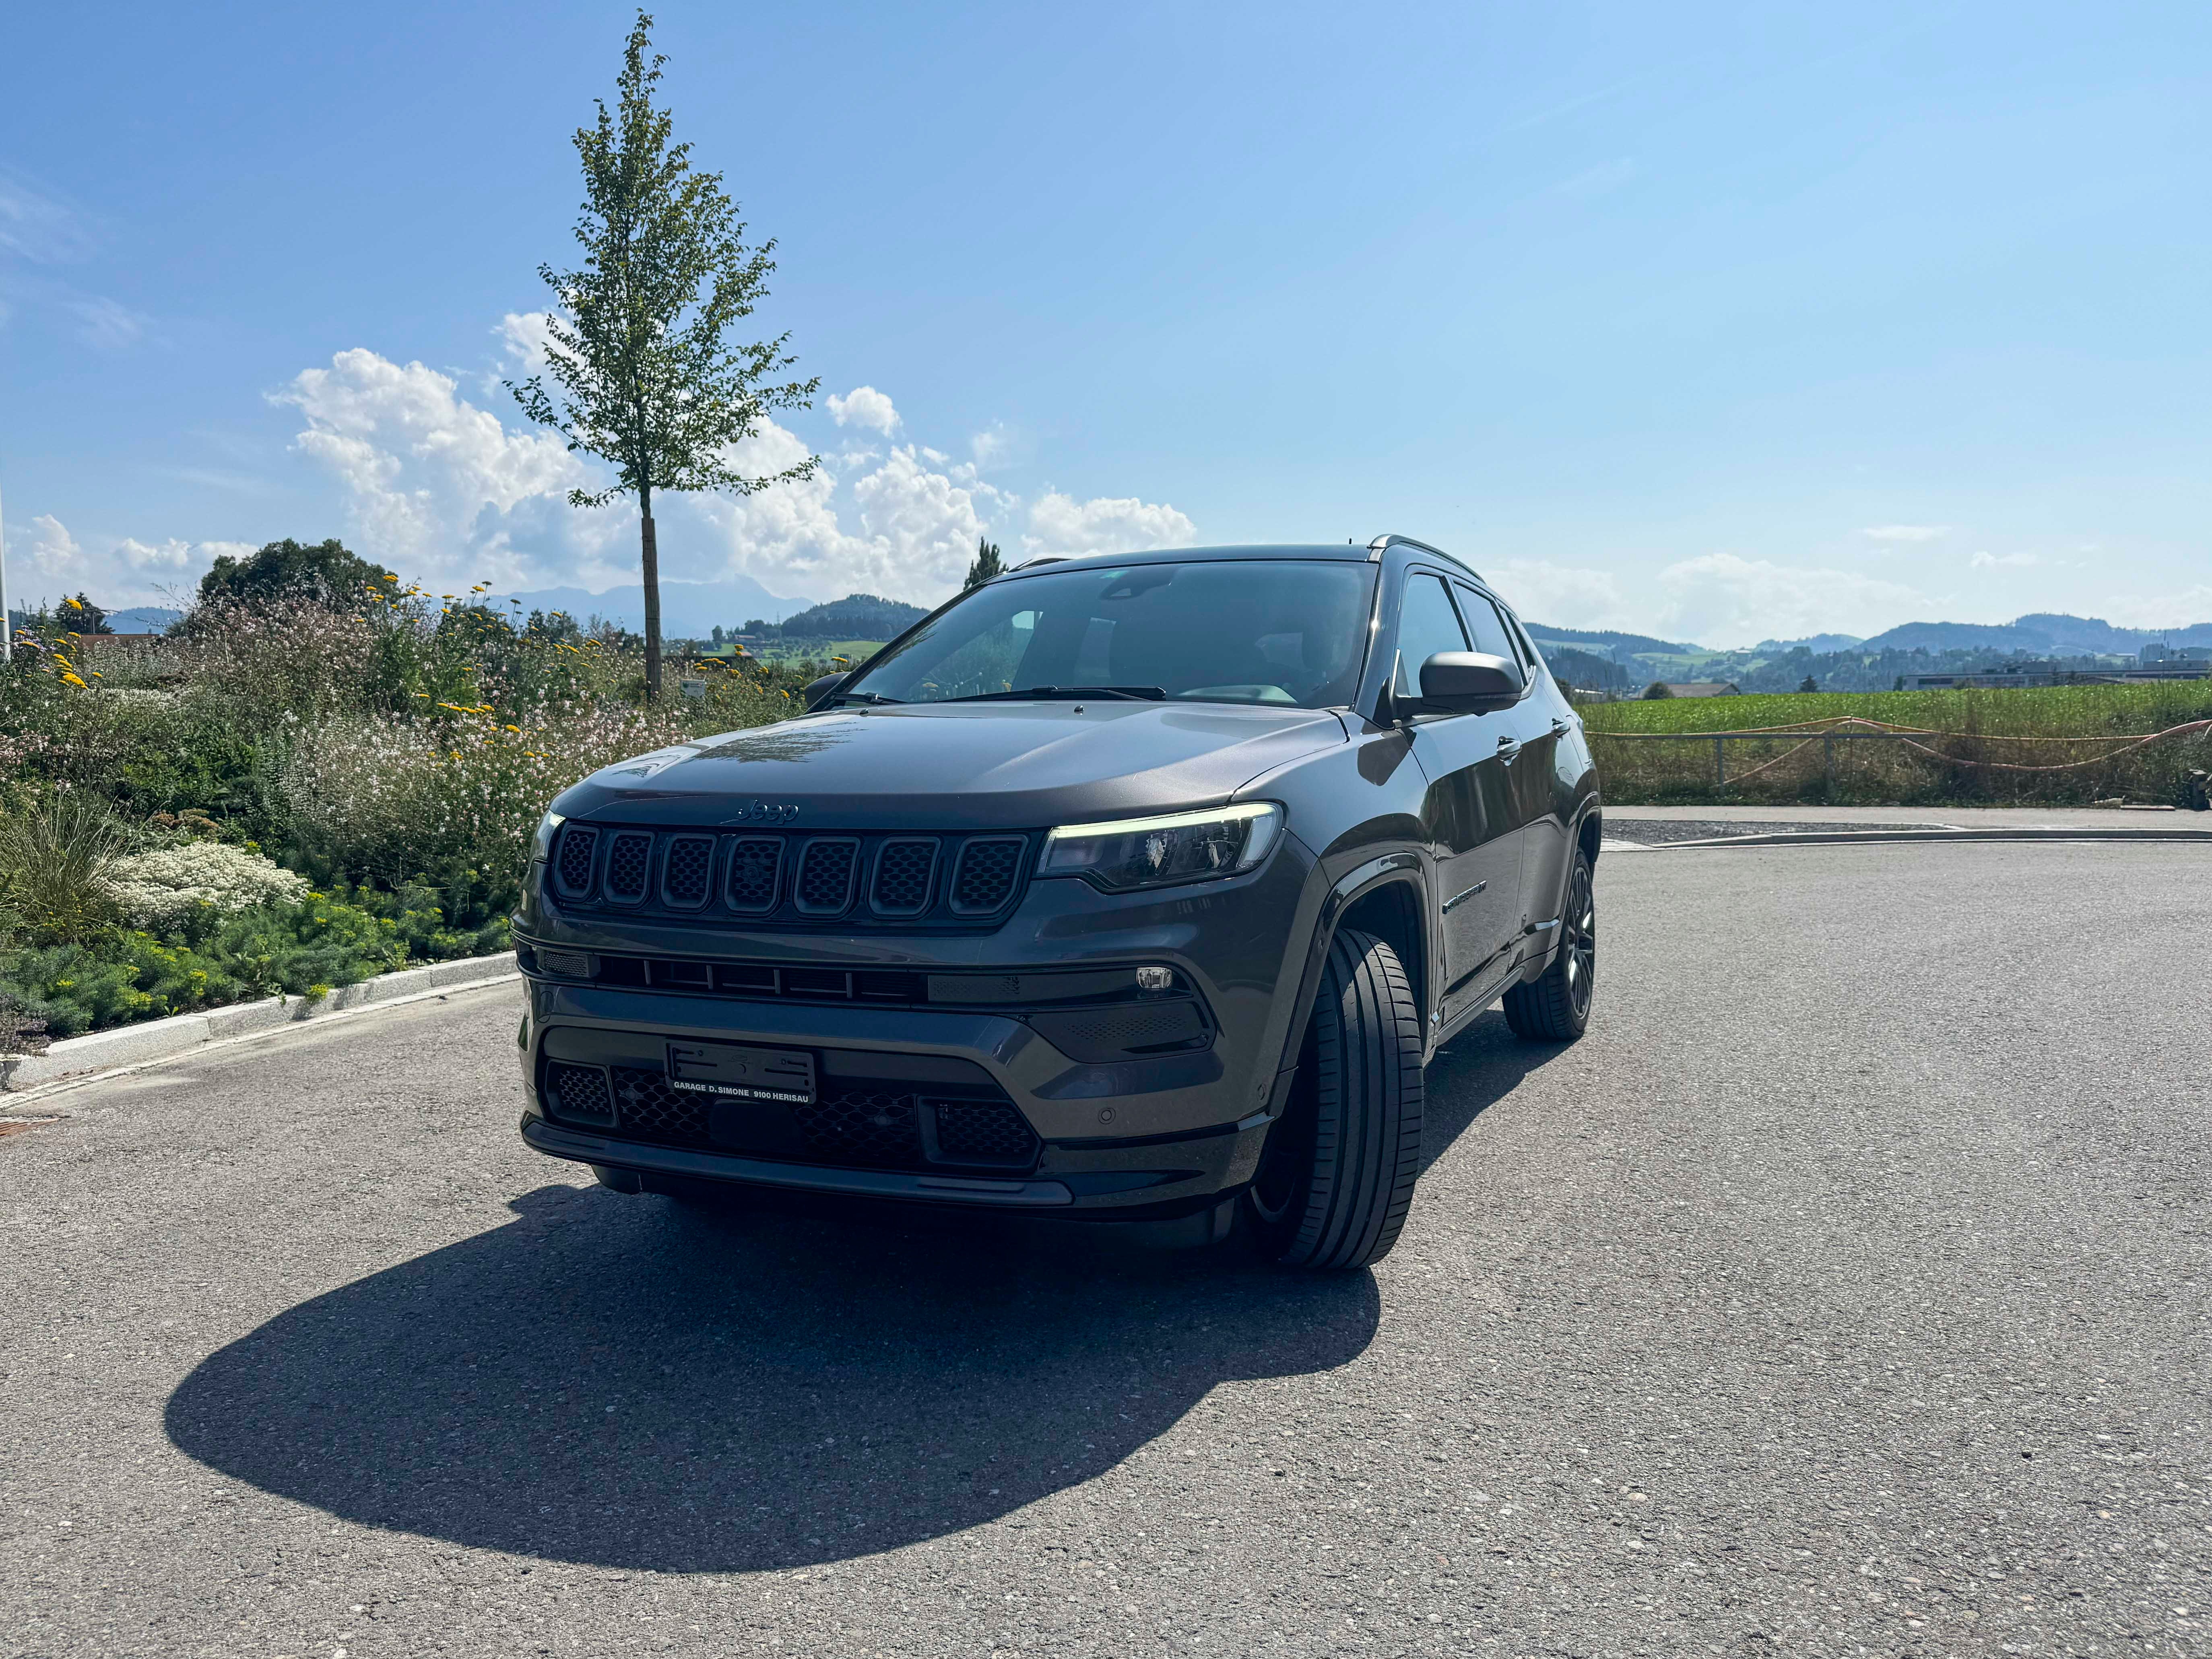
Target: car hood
pixel 957 765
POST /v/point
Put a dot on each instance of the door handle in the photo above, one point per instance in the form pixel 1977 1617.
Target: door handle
pixel 1507 749
pixel 1560 728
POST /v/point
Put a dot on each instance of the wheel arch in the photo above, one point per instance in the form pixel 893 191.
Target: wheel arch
pixel 1388 898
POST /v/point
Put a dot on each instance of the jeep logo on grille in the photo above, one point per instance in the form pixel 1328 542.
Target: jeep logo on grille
pixel 765 812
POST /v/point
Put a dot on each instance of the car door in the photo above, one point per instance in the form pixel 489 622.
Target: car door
pixel 1530 762
pixel 1468 813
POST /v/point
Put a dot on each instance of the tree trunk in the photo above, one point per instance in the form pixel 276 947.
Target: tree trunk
pixel 650 550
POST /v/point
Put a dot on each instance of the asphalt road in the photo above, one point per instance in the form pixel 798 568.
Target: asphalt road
pixel 1844 1291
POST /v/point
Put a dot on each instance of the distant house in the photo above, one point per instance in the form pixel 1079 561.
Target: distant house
pixel 1705 689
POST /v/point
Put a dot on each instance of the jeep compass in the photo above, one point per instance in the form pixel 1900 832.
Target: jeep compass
pixel 1134 888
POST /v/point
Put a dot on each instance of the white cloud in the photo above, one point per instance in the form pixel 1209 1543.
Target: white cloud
pixel 1906 532
pixel 1721 601
pixel 990 448
pixel 35 225
pixel 123 572
pixel 1060 524
pixel 1563 595
pixel 106 325
pixel 2178 609
pixel 866 407
pixel 2004 562
pixel 522 336
pixel 440 489
pixel 444 491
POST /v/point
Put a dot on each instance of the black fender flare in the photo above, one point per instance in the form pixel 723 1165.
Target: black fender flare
pixel 1404 867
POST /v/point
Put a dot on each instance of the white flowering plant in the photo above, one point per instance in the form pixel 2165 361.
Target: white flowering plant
pixel 163 890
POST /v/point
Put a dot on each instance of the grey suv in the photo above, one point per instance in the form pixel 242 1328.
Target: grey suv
pixel 1134 890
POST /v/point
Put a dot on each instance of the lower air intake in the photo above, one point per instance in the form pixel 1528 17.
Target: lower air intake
pixel 861 1126
pixel 646 1106
pixel 579 1094
pixel 983 1132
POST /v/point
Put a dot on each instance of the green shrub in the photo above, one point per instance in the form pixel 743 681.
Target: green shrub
pixel 55 860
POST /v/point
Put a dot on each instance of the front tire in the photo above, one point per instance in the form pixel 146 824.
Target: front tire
pixel 1337 1177
pixel 1556 1007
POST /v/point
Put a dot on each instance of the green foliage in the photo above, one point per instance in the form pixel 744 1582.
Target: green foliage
pixel 1657 691
pixel 54 862
pixel 81 615
pixel 2073 711
pixel 322 571
pixel 987 564
pixel 640 337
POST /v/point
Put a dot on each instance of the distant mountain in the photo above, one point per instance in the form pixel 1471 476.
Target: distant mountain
pixel 1621 645
pixel 1816 643
pixel 2042 633
pixel 143 619
pixel 688 610
pixel 855 616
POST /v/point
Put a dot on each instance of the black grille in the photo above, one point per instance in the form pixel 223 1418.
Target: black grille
pixel 628 862
pixel 647 1106
pixel 986 1131
pixel 903 869
pixel 580 1094
pixel 569 965
pixel 689 876
pixel 861 1126
pixel 580 845
pixel 986 877
pixel 755 862
pixel 825 876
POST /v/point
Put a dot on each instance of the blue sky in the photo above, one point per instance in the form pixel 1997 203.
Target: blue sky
pixel 1719 322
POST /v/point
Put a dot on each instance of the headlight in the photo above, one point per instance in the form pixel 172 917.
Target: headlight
pixel 541 844
pixel 1133 852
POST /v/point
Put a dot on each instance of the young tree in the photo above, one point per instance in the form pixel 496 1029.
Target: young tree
pixel 83 616
pixel 652 382
pixel 987 564
pixel 1808 683
pixel 324 571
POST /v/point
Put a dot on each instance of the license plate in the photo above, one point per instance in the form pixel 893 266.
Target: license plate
pixel 784 1075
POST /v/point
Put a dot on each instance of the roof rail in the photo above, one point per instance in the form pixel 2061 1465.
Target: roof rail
pixel 1046 558
pixel 1375 551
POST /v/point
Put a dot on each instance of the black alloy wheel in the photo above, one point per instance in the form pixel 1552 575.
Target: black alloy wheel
pixel 1556 1008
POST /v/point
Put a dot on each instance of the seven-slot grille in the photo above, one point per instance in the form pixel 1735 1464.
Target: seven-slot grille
pixel 792 880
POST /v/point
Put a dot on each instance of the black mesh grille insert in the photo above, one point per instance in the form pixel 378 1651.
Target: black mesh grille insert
pixel 627 860
pixel 903 869
pixel 987 1131
pixel 690 870
pixel 647 1107
pixel 579 1094
pixel 985 879
pixel 861 1126
pixel 825 876
pixel 572 867
pixel 755 863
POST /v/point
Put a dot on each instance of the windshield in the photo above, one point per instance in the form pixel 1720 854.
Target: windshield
pixel 1282 631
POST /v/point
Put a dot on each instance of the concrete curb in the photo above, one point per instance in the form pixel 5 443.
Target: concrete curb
pixel 164 1039
pixel 1853 837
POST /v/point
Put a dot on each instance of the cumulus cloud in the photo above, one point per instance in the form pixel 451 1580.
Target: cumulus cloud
pixel 1060 524
pixel 437 487
pixel 2003 561
pixel 443 491
pixel 1721 599
pixel 522 336
pixel 51 562
pixel 1563 595
pixel 1905 532
pixel 864 406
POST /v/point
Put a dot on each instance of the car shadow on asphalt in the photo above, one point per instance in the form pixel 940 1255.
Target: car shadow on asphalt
pixel 627 1382
pixel 1474 1072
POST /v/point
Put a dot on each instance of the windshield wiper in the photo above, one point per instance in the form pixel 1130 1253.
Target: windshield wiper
pixel 1122 693
pixel 862 696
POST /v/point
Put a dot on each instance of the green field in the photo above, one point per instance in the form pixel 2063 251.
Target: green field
pixel 2044 711
pixel 1999 747
pixel 786 652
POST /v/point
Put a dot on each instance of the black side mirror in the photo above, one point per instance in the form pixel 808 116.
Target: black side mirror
pixel 1469 683
pixel 818 692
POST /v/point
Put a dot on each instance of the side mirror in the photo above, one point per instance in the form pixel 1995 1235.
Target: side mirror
pixel 1469 683
pixel 818 692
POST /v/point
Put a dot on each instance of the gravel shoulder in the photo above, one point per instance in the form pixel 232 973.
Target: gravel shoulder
pixel 1845 1289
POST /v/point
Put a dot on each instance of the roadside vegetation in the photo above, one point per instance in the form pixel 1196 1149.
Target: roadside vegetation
pixel 319 775
pixel 2050 744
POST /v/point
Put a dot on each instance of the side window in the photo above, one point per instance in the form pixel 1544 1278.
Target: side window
pixel 1426 624
pixel 1491 636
